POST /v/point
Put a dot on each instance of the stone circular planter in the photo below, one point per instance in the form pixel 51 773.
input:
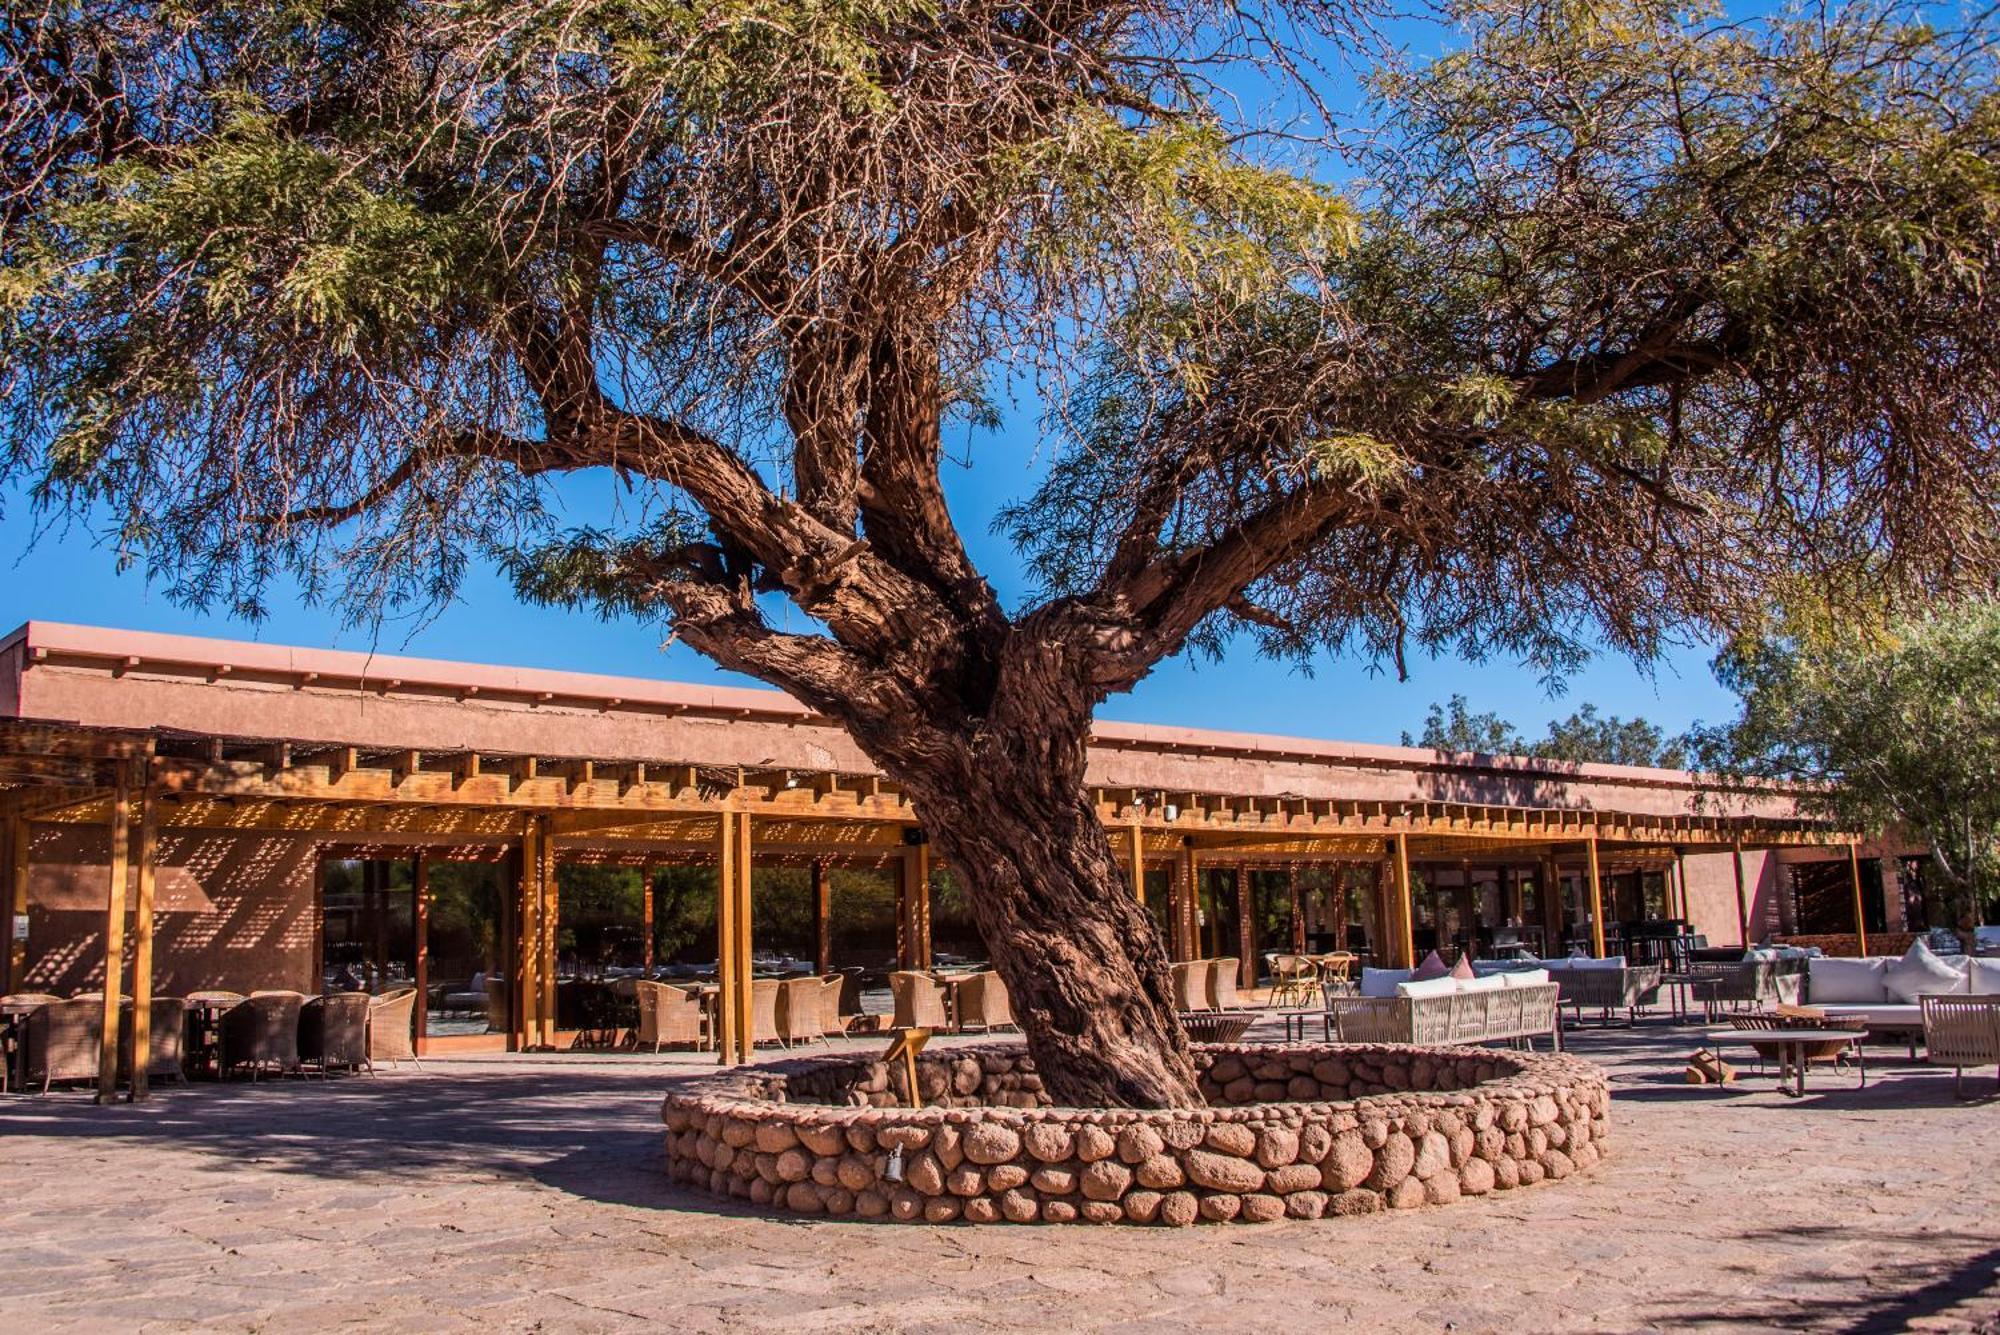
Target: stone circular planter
pixel 1298 1131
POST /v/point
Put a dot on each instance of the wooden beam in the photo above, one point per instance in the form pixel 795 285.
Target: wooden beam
pixel 646 919
pixel 114 935
pixel 822 902
pixel 1246 930
pixel 20 850
pixel 142 941
pixel 1596 899
pixel 550 926
pixel 420 922
pixel 1742 896
pixel 745 864
pixel 1402 934
pixel 1136 859
pixel 527 971
pixel 1860 918
pixel 726 1045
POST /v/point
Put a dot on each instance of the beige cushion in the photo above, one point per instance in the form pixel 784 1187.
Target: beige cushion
pixel 1491 983
pixel 1833 979
pixel 1920 973
pixel 1524 977
pixel 1418 988
pixel 1983 977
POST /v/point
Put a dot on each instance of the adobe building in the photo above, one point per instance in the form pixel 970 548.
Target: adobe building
pixel 272 817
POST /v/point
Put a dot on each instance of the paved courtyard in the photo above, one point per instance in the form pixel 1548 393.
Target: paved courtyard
pixel 525 1194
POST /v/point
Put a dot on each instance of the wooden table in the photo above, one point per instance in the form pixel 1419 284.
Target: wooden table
pixel 1789 1046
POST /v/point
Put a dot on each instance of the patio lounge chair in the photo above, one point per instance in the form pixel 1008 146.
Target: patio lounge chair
pixel 919 1000
pixel 263 1032
pixel 333 1032
pixel 391 1017
pixel 1221 987
pixel 1961 1031
pixel 669 1015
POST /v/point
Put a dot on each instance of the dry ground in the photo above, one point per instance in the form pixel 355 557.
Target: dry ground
pixel 524 1193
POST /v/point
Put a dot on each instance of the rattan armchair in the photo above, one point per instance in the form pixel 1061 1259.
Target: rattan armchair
pixel 1294 979
pixel 983 1001
pixel 1221 983
pixel 764 1010
pixel 800 1017
pixel 1191 985
pixel 831 1022
pixel 1961 1031
pixel 667 1014
pixel 333 1032
pixel 62 1042
pixel 166 1040
pixel 262 1032
pixel 919 1000
pixel 391 1027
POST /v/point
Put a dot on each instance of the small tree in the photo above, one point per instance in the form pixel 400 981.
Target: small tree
pixel 1630 311
pixel 1895 731
pixel 1585 737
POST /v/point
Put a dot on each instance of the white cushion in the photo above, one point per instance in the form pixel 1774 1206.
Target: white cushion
pixel 1983 977
pixel 1418 988
pixel 1553 964
pixel 1615 962
pixel 1882 1013
pixel 1382 982
pixel 1838 979
pixel 1920 973
pixel 1491 983
pixel 1524 978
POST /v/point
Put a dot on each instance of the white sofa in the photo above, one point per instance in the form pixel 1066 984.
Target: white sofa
pixel 1884 990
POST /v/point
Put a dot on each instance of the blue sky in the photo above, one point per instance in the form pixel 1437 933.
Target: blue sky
pixel 69 576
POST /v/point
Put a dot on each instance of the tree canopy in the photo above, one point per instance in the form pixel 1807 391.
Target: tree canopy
pixel 1585 737
pixel 1595 328
pixel 1893 729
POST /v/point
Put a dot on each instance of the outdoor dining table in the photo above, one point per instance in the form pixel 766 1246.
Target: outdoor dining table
pixel 1789 1046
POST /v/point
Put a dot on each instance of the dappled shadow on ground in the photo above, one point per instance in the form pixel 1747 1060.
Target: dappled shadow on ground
pixel 1911 1278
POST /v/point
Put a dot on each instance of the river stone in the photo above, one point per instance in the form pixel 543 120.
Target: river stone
pixel 1442 1189
pixel 1506 1174
pixel 1005 1176
pixel 1354 1202
pixel 1406 1194
pixel 1094 1143
pixel 1433 1157
pixel 870 1204
pixel 1221 1172
pixel 1347 1163
pixel 823 1139
pixel 855 1173
pixel 1314 1142
pixel 1475 1177
pixel 1531 1172
pixel 1260 1208
pixel 941 1209
pixel 1101 1212
pixel 948 1143
pixel 965 1180
pixel 1231 1138
pixel 1051 1142
pixel 1392 1162
pixel 794 1166
pixel 1178 1209
pixel 1221 1207
pixel 1293 1177
pixel 1306 1204
pixel 1162 1172
pixel 1138 1143
pixel 925 1174
pixel 1277 1146
pixel 1106 1180
pixel 826 1172
pixel 1059 1212
pixel 860 1137
pixel 1019 1207
pixel 991 1143
pixel 1142 1207
pixel 904 1138
pixel 1183 1133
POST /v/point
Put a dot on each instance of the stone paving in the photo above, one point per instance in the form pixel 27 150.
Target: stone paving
pixel 526 1194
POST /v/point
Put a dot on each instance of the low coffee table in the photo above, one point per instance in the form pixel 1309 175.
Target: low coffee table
pixel 1789 1046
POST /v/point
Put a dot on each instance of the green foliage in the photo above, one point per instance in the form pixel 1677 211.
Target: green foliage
pixel 1895 732
pixel 1585 737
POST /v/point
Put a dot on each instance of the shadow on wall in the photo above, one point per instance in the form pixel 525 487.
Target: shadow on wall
pixel 231 911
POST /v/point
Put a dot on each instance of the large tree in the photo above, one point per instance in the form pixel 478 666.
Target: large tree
pixel 1585 737
pixel 1622 311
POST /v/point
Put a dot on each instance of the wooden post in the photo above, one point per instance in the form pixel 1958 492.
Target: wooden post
pixel 1554 919
pixel 1860 919
pixel 1138 861
pixel 1340 906
pixel 646 919
pixel 420 932
pixel 1246 931
pixel 1596 899
pixel 142 941
pixel 1181 906
pixel 20 849
pixel 114 934
pixel 1468 908
pixel 550 922
pixel 727 980
pixel 923 906
pixel 746 1032
pixel 526 987
pixel 913 907
pixel 822 901
pixel 1401 917
pixel 1297 907
pixel 1742 898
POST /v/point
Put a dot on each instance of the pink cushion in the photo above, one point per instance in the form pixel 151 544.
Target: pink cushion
pixel 1463 969
pixel 1432 967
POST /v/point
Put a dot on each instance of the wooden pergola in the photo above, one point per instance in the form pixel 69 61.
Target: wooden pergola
pixel 533 810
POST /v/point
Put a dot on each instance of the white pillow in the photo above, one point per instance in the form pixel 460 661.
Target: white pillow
pixel 1525 978
pixel 1493 982
pixel 1382 982
pixel 1920 973
pixel 1841 980
pixel 1615 962
pixel 1984 977
pixel 1418 988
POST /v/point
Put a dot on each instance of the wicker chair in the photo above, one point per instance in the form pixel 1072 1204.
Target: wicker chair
pixel 669 1015
pixel 1337 967
pixel 983 1001
pixel 800 1017
pixel 1221 983
pixel 263 1031
pixel 62 1043
pixel 1961 1031
pixel 166 1040
pixel 919 1000
pixel 391 1032
pixel 333 1032
pixel 1606 990
pixel 1754 983
pixel 832 1021
pixel 1834 1052
pixel 1294 979
pixel 1191 985
pixel 764 1010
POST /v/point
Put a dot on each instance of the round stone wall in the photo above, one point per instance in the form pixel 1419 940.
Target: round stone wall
pixel 1299 1131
